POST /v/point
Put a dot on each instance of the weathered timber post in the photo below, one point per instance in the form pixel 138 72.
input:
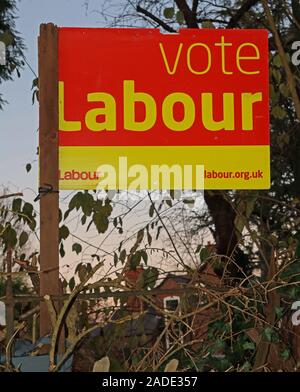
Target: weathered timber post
pixel 9 300
pixel 48 156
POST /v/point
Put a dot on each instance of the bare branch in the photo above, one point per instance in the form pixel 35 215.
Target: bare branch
pixel 212 20
pixel 11 195
pixel 195 6
pixel 189 16
pixel 155 19
pixel 240 13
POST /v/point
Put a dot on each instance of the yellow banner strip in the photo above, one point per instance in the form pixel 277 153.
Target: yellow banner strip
pixel 225 167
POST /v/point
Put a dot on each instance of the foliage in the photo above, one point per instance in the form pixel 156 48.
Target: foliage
pixel 17 220
pixel 12 40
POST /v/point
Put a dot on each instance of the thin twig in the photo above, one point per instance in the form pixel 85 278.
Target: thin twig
pixel 11 195
pixel 155 19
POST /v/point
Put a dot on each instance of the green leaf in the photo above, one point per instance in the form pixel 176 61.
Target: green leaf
pixel 285 354
pixel 189 202
pixel 9 237
pixel 78 267
pixel 102 365
pixel 35 83
pixel 135 260
pixel 62 250
pixel 149 238
pixel 279 311
pixel 158 231
pixel 278 112
pixel 205 253
pixel 101 221
pixel 76 248
pixel 151 210
pixel 28 210
pixel 150 276
pixel 208 24
pixel 32 224
pixel 172 365
pixel 105 209
pixel 144 256
pixel 246 367
pixel 28 167
pixel 16 205
pixel 270 335
pixel 116 259
pixel 245 204
pixel 96 256
pixel 66 214
pixel 277 61
pixel 139 237
pixel 35 96
pixel 123 255
pixel 76 201
pixel 267 334
pixel 277 74
pixel 115 222
pixel 72 283
pixel 63 233
pixel 169 12
pixel 82 272
pixel 284 89
pixel 87 203
pixel 219 345
pixel 179 17
pixel 7 37
pixel 169 202
pixel 23 239
pixel 248 346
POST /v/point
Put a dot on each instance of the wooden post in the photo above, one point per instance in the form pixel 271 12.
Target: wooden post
pixel 48 156
pixel 9 302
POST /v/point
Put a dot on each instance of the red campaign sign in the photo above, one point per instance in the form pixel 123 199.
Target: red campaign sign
pixel 139 68
pixel 134 103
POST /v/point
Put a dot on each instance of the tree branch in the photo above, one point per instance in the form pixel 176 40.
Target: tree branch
pixel 195 6
pixel 155 19
pixel 11 195
pixel 189 16
pixel 212 20
pixel 240 13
